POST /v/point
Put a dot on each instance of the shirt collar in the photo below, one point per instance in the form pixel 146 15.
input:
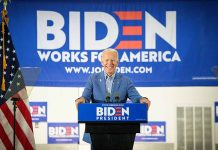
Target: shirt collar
pixel 106 76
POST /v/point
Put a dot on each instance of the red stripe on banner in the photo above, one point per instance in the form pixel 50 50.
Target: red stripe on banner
pixel 35 109
pixel 129 15
pixel 118 107
pixel 154 129
pixel 4 137
pixel 129 45
pixel 118 111
pixel 25 112
pixel 68 130
pixel 132 30
pixel 19 132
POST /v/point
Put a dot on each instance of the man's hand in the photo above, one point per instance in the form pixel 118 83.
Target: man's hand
pixel 79 101
pixel 145 100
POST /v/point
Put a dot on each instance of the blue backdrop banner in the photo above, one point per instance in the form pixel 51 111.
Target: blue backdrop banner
pixel 160 43
pixel 216 112
pixel 59 133
pixel 154 131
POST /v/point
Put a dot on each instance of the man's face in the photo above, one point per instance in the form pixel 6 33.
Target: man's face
pixel 109 61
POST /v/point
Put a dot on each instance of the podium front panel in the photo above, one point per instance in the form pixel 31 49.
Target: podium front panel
pixel 115 128
pixel 112 113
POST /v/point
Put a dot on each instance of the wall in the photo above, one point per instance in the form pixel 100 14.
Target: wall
pixel 61 107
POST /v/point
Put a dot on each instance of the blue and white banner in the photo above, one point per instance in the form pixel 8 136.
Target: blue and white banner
pixel 152 132
pixel 216 112
pixel 63 133
pixel 38 111
pixel 160 43
pixel 113 112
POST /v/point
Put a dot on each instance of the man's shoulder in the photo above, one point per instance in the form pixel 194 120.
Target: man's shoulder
pixel 101 75
pixel 97 75
pixel 121 76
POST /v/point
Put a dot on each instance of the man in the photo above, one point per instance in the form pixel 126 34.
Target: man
pixel 110 86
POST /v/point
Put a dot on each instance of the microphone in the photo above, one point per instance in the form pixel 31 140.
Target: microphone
pixel 117 97
pixel 107 99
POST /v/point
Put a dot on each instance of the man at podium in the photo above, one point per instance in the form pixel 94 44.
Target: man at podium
pixel 109 86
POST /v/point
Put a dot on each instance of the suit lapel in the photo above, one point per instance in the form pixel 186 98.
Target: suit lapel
pixel 115 86
pixel 102 85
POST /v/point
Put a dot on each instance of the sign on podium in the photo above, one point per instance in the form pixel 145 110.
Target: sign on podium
pixel 112 112
pixel 112 124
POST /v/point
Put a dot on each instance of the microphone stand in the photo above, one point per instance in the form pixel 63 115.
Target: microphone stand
pixel 117 98
pixel 107 99
pixel 14 100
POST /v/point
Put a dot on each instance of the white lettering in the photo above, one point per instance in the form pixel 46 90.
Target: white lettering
pixel 94 56
pixel 124 58
pixel 125 111
pixel 154 27
pixel 61 130
pixel 91 18
pixel 217 111
pixel 51 131
pixel 44 55
pixel 43 30
pixel 74 31
pixel 75 131
pixel 41 110
pixel 111 111
pixel 160 129
pixel 99 111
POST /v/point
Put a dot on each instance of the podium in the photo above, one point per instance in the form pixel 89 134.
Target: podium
pixel 112 126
